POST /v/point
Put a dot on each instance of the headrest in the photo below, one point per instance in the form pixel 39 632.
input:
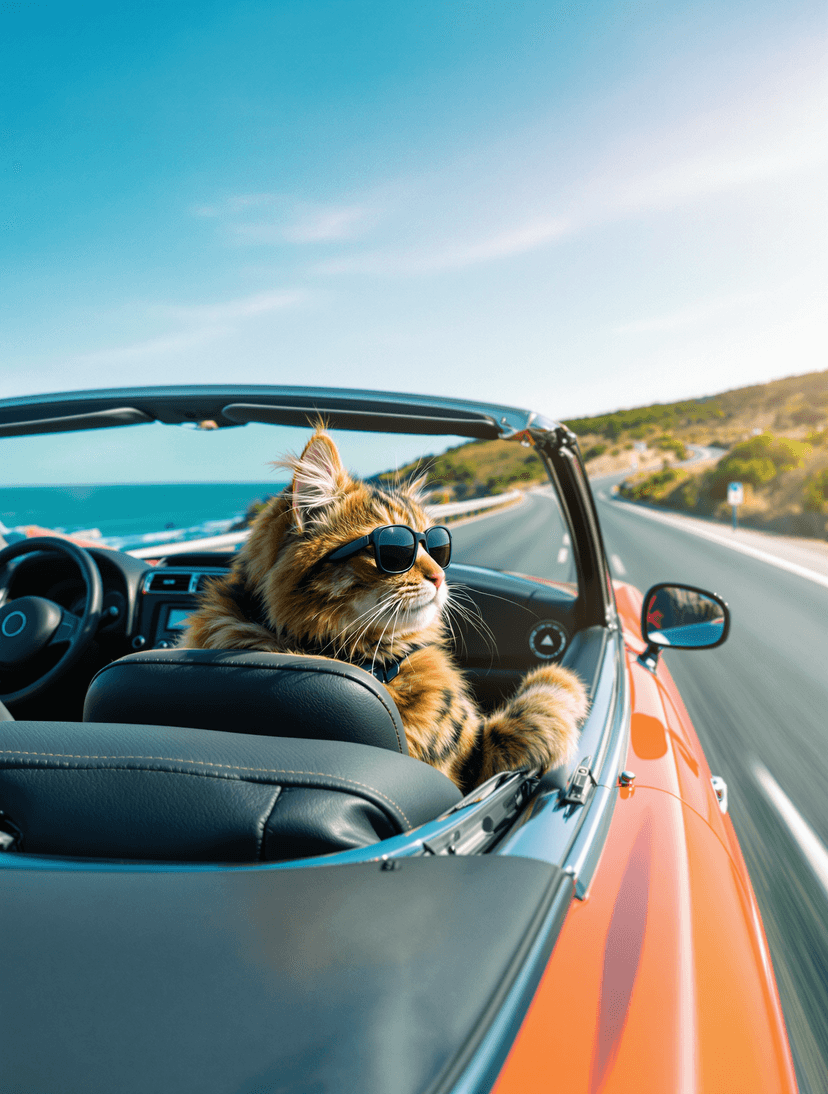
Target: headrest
pixel 157 793
pixel 271 694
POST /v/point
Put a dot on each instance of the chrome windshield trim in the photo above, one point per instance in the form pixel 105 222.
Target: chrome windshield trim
pixel 572 836
pixel 191 404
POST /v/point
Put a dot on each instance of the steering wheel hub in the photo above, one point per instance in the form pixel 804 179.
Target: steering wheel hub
pixel 30 624
pixel 26 626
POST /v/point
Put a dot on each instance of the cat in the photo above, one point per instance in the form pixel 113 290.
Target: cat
pixel 284 594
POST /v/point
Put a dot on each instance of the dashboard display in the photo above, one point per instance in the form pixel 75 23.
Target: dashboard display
pixel 177 619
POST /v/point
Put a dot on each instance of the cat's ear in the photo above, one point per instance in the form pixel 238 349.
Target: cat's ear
pixel 415 488
pixel 319 479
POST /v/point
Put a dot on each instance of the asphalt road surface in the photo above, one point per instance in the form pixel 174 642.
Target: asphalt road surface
pixel 760 706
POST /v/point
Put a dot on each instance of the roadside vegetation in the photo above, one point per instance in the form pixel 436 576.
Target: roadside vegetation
pixel 776 441
pixel 476 469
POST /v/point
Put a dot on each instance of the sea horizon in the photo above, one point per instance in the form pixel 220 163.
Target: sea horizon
pixel 127 510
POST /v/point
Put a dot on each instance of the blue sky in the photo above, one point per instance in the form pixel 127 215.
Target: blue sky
pixel 575 207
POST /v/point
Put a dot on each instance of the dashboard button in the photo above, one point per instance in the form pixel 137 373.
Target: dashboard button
pixel 548 639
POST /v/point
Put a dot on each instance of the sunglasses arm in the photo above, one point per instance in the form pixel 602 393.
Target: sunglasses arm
pixel 349 549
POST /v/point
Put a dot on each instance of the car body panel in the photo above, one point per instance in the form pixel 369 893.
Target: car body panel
pixel 661 978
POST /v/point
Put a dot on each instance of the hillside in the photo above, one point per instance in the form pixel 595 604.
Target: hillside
pixel 475 469
pixel 794 405
pixel 777 440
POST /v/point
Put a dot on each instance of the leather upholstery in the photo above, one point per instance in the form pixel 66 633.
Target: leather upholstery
pixel 161 792
pixel 273 694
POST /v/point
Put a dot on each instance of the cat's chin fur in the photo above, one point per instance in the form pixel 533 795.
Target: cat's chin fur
pixel 284 594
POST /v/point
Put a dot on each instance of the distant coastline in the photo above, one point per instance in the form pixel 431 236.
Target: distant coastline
pixel 131 511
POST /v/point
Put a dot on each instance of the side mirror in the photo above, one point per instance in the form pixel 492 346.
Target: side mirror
pixel 681 617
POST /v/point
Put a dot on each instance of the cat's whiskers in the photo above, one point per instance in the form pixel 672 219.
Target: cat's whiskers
pixel 469 612
pixel 384 629
pixel 367 618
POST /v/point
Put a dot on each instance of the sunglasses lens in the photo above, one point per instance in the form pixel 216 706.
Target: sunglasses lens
pixel 438 545
pixel 396 549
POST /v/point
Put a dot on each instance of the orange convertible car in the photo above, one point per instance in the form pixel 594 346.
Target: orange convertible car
pixel 221 871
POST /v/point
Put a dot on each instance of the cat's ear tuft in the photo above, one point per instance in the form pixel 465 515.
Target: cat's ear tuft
pixel 415 488
pixel 319 479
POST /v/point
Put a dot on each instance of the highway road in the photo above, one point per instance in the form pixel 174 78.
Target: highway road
pixel 760 706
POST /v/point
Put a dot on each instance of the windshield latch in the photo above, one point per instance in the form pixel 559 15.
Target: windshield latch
pixel 580 784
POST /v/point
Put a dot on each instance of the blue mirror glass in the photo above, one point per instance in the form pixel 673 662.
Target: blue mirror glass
pixel 683 617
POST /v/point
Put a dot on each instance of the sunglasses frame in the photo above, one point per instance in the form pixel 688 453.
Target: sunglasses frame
pixel 357 545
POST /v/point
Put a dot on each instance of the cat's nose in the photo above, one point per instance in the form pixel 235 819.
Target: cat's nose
pixel 438 577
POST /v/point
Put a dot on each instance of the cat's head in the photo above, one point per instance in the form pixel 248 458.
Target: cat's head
pixel 349 606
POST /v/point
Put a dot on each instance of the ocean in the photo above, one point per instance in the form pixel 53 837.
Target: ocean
pixel 127 515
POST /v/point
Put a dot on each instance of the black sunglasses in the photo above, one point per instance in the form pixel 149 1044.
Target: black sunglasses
pixel 395 547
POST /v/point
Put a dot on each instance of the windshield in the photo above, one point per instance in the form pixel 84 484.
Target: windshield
pixel 155 489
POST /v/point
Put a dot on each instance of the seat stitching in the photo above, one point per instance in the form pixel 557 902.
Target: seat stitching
pixel 260 839
pixel 262 665
pixel 209 763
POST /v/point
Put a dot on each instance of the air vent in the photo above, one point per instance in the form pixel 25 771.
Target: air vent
pixel 166 582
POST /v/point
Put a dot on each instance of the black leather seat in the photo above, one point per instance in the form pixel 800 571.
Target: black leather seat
pixel 167 793
pixel 271 694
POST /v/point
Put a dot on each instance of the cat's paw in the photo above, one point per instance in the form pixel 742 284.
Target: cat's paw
pixel 555 698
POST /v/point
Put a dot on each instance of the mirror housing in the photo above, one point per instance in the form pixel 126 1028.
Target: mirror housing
pixel 681 617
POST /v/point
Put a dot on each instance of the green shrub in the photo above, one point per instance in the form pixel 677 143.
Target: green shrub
pixel 687 494
pixel 757 461
pixel 816 492
pixel 757 471
pixel 650 487
pixel 594 451
pixel 672 444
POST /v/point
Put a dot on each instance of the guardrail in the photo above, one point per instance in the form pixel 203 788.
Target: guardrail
pixel 472 505
pixel 232 539
pixel 183 547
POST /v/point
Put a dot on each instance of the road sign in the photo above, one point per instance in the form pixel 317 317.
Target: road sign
pixel 735 493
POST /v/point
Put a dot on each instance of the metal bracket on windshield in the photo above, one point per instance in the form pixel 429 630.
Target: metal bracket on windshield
pixel 580 784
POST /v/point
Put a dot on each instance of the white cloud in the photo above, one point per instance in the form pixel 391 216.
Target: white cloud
pixel 244 308
pixel 319 225
pixel 453 218
pixel 151 347
pixel 458 256
pixel 262 219
pixel 238 203
pixel 202 323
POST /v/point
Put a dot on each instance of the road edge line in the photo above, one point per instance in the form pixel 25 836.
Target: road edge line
pixel 763 556
pixel 807 840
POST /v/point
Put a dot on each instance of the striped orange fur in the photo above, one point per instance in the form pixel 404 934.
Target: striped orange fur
pixel 281 595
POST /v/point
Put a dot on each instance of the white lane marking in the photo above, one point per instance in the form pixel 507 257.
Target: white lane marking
pixel 618 565
pixel 764 556
pixel 563 555
pixel 809 843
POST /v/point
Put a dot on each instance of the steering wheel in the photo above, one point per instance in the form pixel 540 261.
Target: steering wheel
pixel 31 624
